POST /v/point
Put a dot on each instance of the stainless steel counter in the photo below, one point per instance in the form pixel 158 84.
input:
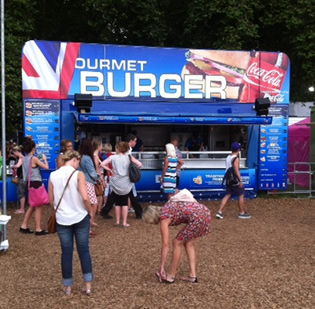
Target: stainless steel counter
pixel 192 159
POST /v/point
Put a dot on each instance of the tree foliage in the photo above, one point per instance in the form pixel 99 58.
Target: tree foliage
pixel 286 26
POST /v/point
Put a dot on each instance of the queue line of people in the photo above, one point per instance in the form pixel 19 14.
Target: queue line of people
pixel 75 219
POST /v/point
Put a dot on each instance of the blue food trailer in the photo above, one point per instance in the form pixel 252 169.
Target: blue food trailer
pixel 76 90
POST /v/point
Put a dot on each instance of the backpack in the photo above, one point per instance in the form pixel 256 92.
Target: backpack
pixel 134 172
pixel 230 178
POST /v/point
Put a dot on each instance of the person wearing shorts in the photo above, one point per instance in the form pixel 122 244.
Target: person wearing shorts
pixel 121 186
pixel 238 190
pixel 182 208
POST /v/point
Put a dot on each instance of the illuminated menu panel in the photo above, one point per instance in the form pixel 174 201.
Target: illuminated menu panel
pixel 273 152
pixel 42 123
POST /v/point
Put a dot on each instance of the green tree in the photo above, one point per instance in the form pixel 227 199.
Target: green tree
pixel 19 27
pixel 286 26
pixel 289 26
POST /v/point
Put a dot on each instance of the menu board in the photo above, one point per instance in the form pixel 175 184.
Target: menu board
pixel 42 123
pixel 273 151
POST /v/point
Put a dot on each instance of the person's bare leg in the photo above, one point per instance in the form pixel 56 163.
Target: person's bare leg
pixel 27 217
pixel 125 215
pixel 38 217
pixel 224 202
pixel 176 256
pixel 241 202
pixel 191 255
pixel 99 203
pixel 93 214
pixel 22 206
pixel 117 214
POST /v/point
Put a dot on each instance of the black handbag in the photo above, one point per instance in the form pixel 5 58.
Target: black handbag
pixel 134 172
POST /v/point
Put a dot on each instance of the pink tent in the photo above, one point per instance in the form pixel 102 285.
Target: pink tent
pixel 299 151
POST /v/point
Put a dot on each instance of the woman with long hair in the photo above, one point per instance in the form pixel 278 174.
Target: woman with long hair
pixel 72 217
pixel 36 181
pixel 21 187
pixel 100 186
pixel 87 166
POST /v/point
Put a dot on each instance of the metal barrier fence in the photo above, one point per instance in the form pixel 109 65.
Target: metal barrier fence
pixel 300 179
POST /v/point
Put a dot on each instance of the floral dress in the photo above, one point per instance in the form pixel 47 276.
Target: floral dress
pixel 196 216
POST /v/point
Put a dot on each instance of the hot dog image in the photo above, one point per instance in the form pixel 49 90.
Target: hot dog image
pixel 231 65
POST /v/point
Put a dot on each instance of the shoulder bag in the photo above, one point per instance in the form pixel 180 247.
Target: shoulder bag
pixel 15 179
pixel 51 228
pixel 134 172
pixel 36 196
pixel 230 178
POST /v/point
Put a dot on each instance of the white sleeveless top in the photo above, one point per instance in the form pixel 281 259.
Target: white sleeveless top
pixel 229 159
pixel 71 209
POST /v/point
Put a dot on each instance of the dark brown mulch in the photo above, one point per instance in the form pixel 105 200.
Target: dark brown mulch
pixel 265 262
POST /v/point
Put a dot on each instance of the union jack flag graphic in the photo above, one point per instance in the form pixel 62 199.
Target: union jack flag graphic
pixel 47 69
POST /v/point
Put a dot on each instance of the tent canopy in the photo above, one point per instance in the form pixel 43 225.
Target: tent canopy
pixel 299 150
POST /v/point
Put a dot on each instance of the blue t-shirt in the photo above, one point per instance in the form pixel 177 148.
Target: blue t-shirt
pixel 138 145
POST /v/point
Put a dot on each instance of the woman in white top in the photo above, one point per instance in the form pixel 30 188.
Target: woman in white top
pixel 73 218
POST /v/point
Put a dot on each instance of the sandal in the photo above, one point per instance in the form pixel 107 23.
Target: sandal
pixel 165 280
pixel 117 225
pixel 190 279
pixel 159 276
pixel 67 291
pixel 87 292
pixel 26 230
pixel 126 225
pixel 18 211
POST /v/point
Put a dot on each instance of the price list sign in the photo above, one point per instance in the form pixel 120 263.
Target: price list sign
pixel 273 153
pixel 41 123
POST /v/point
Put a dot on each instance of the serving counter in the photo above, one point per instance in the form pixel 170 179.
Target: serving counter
pixel 202 174
pixel 192 159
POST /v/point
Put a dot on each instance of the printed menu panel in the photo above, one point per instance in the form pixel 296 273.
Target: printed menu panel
pixel 42 123
pixel 273 152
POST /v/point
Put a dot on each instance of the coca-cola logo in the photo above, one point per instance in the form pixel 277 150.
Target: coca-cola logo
pixel 259 76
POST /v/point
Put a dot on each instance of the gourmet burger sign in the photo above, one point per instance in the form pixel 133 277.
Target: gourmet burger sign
pixel 59 70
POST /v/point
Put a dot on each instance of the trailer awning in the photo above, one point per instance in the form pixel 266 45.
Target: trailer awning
pixel 155 119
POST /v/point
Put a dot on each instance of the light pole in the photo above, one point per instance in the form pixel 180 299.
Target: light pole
pixel 4 170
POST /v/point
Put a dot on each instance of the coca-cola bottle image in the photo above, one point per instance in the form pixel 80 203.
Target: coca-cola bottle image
pixel 264 77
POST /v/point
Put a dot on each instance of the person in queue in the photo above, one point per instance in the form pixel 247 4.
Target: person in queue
pixel 66 145
pixel 108 152
pixel 87 166
pixel 174 141
pixel 133 200
pixel 169 173
pixel 73 219
pixel 133 203
pixel 21 187
pixel 139 146
pixel 238 190
pixel 36 181
pixel 100 186
pixel 182 208
pixel 120 183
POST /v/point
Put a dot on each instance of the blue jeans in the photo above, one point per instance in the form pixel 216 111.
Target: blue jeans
pixel 81 232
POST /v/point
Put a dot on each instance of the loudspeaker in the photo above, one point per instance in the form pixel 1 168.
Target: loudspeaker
pixel 262 106
pixel 83 102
